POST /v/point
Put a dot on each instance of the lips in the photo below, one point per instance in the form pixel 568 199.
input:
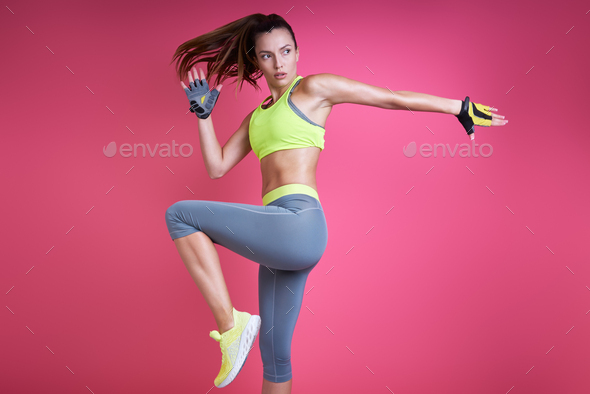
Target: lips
pixel 279 74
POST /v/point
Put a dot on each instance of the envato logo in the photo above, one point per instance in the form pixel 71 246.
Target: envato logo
pixel 465 150
pixel 126 150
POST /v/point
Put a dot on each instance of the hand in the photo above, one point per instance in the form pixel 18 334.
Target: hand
pixel 474 114
pixel 202 99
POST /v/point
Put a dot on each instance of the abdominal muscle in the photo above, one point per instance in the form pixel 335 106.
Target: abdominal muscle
pixel 289 166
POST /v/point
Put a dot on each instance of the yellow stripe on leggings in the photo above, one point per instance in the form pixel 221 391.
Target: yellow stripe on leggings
pixel 289 189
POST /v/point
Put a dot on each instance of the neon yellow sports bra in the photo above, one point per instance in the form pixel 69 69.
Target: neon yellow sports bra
pixel 283 126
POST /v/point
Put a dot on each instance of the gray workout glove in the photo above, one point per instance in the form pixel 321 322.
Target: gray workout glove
pixel 201 99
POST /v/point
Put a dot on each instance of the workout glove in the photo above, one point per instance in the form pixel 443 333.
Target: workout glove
pixel 474 114
pixel 201 99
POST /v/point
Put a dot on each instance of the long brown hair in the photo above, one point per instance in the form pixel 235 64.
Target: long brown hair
pixel 228 50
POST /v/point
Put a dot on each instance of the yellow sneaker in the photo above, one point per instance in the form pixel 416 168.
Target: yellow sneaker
pixel 235 345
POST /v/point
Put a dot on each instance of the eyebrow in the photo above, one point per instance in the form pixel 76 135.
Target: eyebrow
pixel 284 46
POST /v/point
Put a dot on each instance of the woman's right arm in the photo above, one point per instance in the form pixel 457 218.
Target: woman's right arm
pixel 237 147
pixel 210 148
pixel 218 161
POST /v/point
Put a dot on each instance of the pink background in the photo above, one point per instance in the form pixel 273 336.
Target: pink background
pixel 477 280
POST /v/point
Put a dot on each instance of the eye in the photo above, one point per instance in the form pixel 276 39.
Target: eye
pixel 263 56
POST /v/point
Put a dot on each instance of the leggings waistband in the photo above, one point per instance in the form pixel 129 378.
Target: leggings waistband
pixel 289 189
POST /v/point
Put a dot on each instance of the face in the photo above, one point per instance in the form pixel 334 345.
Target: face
pixel 275 52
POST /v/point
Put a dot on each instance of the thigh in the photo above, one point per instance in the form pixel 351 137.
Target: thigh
pixel 273 236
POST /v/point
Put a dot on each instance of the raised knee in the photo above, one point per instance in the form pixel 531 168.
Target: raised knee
pixel 171 212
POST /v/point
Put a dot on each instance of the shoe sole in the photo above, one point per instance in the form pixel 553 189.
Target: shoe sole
pixel 246 340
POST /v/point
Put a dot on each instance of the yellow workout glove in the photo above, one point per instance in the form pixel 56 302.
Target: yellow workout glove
pixel 473 114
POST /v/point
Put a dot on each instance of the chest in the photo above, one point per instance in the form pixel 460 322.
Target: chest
pixel 310 106
pixel 285 126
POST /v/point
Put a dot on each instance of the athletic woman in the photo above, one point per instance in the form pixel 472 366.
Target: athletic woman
pixel 287 234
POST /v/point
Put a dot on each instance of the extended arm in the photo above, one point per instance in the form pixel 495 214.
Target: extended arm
pixel 414 101
pixel 335 89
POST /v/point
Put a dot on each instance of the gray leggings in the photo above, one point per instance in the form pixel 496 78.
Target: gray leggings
pixel 286 237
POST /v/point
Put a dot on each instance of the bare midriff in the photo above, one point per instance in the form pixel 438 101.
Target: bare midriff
pixel 288 166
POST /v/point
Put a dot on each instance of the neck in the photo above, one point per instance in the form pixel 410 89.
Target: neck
pixel 277 93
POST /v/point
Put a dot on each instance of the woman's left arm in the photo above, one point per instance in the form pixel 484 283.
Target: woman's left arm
pixel 335 89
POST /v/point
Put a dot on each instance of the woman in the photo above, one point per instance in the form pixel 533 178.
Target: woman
pixel 287 235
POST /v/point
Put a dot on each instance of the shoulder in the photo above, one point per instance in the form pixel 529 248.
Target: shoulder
pixel 313 87
pixel 323 85
pixel 336 89
pixel 313 83
pixel 249 116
